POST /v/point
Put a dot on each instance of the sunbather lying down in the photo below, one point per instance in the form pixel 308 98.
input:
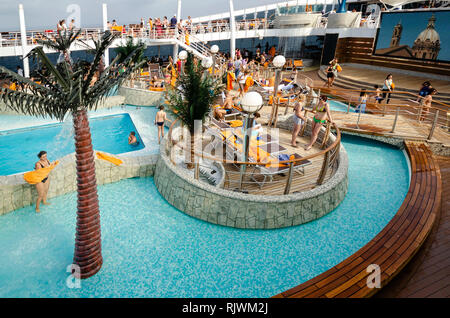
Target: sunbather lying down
pixel 227 107
pixel 284 87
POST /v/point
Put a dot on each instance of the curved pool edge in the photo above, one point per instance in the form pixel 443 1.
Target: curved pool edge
pixel 16 193
pixel 248 211
pixel 353 276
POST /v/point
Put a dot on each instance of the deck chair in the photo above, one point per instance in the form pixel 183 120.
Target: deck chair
pixel 269 171
pixel 154 69
pixel 298 64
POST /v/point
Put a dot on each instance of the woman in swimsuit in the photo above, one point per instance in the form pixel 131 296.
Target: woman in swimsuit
pixel 387 87
pixel 299 119
pixel 42 187
pixel 330 76
pixel 322 111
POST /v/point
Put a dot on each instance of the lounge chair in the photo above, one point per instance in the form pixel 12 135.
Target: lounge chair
pixel 269 171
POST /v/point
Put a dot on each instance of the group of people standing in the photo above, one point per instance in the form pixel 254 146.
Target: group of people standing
pixel 61 25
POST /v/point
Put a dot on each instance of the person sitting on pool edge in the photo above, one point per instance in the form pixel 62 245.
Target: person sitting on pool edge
pixel 160 119
pixel 132 140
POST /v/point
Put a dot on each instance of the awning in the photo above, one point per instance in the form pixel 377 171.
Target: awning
pixel 396 3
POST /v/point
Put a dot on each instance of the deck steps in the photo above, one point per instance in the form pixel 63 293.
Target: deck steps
pixel 350 83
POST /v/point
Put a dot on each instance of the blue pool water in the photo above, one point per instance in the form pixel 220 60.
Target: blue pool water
pixel 150 249
pixel 19 147
pixel 338 106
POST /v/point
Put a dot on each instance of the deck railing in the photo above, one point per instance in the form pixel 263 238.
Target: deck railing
pixel 253 176
pixel 155 33
pixel 407 115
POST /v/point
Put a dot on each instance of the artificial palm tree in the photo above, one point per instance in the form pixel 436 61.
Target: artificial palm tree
pixel 193 95
pixel 73 87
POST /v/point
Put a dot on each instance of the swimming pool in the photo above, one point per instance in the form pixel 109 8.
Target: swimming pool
pixel 19 147
pixel 150 249
pixel 339 106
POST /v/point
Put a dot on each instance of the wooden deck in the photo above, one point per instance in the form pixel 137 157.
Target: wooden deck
pixel 428 273
pixel 394 246
pixel 382 126
pixel 402 80
pixel 299 182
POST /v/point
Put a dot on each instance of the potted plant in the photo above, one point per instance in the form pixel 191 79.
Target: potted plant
pixel 192 98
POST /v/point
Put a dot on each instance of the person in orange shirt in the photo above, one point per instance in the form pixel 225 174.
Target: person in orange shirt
pixel 272 51
pixel 230 78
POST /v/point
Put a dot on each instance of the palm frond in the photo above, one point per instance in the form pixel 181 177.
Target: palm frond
pixel 39 53
pixel 67 86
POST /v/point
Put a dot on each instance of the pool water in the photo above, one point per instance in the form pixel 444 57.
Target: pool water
pixel 19 147
pixel 338 106
pixel 151 249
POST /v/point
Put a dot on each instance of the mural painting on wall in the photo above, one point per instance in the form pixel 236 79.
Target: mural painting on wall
pixel 415 35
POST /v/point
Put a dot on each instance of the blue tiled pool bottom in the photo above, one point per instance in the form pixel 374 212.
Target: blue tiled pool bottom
pixel 19 147
pixel 150 249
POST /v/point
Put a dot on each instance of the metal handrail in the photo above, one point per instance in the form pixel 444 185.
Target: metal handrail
pixel 335 143
pixel 344 90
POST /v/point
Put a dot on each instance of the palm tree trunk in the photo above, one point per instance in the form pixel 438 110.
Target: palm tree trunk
pixel 88 251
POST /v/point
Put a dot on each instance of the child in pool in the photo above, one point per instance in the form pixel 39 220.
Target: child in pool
pixel 132 140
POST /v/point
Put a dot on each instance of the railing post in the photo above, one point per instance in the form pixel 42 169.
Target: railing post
pixel 395 119
pixel 302 131
pixel 324 169
pixel 197 171
pixel 359 116
pixel 433 126
pixel 287 189
pixel 325 137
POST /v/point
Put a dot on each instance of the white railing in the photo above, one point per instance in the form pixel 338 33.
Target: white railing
pixel 158 33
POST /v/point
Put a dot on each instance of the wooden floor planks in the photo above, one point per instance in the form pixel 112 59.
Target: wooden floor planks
pixel 395 245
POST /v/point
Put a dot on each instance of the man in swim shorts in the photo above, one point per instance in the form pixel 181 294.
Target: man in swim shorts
pixel 160 119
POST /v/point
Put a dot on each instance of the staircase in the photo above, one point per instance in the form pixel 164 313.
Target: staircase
pixel 192 44
pixel 349 83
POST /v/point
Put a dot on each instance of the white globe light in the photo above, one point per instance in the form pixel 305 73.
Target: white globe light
pixel 182 55
pixel 207 62
pixel 214 49
pixel 251 102
pixel 279 61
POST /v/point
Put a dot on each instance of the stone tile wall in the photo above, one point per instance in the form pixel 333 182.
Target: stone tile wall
pixel 15 193
pixel 141 97
pixel 240 210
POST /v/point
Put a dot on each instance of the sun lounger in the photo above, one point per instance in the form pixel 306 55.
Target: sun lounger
pixel 269 171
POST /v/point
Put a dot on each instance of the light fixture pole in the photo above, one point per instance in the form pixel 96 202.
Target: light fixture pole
pixel 278 62
pixel 206 64
pixel 251 103
pixel 214 51
pixel 182 56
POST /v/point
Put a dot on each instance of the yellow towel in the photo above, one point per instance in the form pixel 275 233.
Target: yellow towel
pixel 235 123
pixel 104 156
pixel 36 176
